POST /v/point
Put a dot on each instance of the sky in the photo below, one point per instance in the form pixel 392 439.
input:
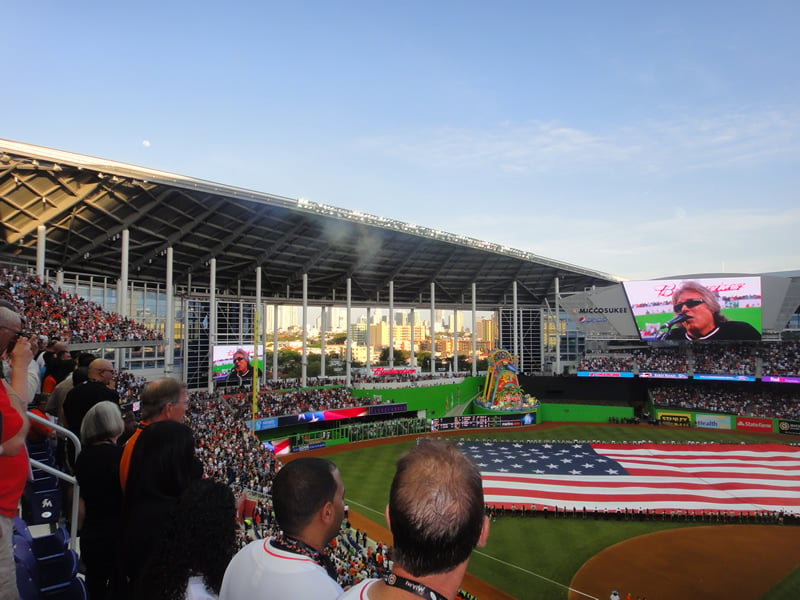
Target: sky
pixel 639 139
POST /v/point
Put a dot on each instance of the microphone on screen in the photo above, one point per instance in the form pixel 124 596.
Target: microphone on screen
pixel 680 318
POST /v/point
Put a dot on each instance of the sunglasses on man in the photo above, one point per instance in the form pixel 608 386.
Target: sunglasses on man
pixel 691 303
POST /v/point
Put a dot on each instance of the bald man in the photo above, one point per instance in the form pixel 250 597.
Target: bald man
pixel 98 387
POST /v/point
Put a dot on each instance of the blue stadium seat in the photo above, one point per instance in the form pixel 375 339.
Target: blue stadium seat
pixel 26 586
pixel 46 567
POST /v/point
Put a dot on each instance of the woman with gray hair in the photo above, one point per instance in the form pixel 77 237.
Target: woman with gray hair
pixel 97 472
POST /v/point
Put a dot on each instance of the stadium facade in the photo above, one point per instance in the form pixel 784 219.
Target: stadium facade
pixel 209 261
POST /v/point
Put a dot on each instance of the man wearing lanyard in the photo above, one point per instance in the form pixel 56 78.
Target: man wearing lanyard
pixel 437 518
pixel 308 499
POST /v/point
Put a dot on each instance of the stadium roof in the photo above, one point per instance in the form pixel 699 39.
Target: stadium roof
pixel 85 203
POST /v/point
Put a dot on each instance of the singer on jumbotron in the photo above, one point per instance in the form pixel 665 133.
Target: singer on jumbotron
pixel 698 316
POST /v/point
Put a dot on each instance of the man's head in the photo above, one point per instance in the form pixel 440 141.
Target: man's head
pixel 308 495
pixel 11 327
pixel 85 359
pixel 164 399
pixel 59 347
pixel 101 370
pixel 241 361
pixel 436 511
pixel 64 356
pixel 701 306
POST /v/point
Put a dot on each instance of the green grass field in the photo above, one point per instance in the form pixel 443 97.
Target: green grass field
pixel 535 558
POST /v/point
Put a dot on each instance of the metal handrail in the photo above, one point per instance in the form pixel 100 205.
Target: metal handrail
pixel 61 430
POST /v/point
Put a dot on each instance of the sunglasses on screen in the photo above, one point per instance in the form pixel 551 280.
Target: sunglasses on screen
pixel 688 304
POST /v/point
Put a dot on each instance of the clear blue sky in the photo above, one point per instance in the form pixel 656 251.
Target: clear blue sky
pixel 637 138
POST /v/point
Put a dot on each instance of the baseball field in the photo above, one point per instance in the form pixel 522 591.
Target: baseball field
pixel 575 559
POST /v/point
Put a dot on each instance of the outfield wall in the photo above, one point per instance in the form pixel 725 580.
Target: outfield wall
pixel 628 391
pixel 585 413
pixel 436 400
pixel 704 420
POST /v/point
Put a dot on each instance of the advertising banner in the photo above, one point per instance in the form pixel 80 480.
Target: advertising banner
pixel 659 375
pixel 718 377
pixel 713 421
pixel 676 419
pixel 776 379
pixel 270 423
pixel 604 374
pixel 753 424
pixel 790 427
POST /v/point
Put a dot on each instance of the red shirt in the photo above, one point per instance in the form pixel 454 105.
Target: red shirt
pixel 13 469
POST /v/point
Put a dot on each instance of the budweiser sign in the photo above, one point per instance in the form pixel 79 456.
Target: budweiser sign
pixel 377 371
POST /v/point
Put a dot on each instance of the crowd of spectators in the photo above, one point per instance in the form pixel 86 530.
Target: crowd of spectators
pixel 730 358
pixel 358 432
pixel 406 377
pixel 741 401
pixel 231 454
pixel 780 360
pixel 752 359
pixel 59 315
pixel 294 401
pixel 642 514
pixel 608 362
pixel 663 360
pixel 226 448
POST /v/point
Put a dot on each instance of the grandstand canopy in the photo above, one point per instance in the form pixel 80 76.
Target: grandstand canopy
pixel 86 203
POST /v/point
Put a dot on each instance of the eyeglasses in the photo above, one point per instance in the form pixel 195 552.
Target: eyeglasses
pixel 238 359
pixel 691 303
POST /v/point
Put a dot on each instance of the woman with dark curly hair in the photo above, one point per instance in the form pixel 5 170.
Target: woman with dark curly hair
pixel 163 466
pixel 191 555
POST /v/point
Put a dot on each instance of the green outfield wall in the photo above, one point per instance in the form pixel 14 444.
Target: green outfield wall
pixel 583 413
pixel 704 420
pixel 436 399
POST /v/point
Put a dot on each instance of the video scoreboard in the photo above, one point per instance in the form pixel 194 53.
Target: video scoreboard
pixel 483 421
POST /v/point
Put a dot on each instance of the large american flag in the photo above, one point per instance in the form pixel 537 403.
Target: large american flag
pixel 661 477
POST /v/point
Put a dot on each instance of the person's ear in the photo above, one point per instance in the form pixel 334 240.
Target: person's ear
pixel 483 538
pixel 327 512
pixel 386 514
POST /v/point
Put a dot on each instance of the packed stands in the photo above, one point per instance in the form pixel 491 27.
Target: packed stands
pixel 730 358
pixel 752 359
pixel 68 317
pixel 742 400
pixel 665 360
pixel 780 359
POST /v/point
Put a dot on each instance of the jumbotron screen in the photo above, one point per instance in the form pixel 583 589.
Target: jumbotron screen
pixel 697 309
pixel 223 358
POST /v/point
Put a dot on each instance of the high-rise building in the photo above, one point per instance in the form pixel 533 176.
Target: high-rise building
pixel 486 330
pixel 379 336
